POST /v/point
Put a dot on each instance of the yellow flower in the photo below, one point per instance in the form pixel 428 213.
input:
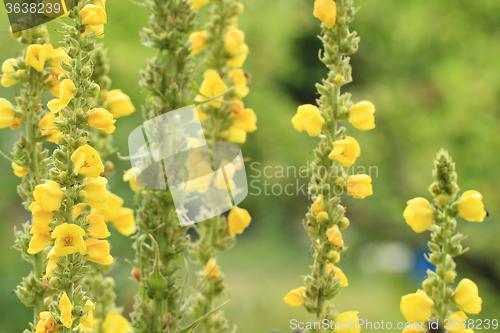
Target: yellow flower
pixel 46 125
pixel 19 171
pixel 101 119
pixel 212 268
pixel 416 307
pixel 114 323
pixel 7 117
pixel 308 119
pixel 67 91
pixel 78 209
pixel 197 4
pixel 419 214
pixel 359 186
pixel 240 82
pixel 98 29
pixel 93 15
pixel 212 86
pixel 471 207
pixel 199 41
pixel 47 323
pixel 69 239
pixel 97 195
pixel 361 116
pixel 234 39
pixel 318 204
pixel 345 151
pixel 8 68
pixel 125 222
pixel 41 219
pixel 97 227
pixel 238 220
pixel 243 122
pixel 457 322
pixel 338 274
pixel 347 322
pixel 239 60
pixel 326 11
pixel 467 297
pixel 37 54
pixel 86 160
pixel 295 297
pixel 87 319
pixel 334 236
pixel 39 242
pixel 115 203
pixel 129 177
pixel 66 307
pixel 48 195
pixel 58 56
pixel 51 264
pixel 119 104
pixel 98 251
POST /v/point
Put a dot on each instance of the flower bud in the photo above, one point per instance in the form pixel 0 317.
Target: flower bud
pixel 82 196
pixel 15 31
pixel 42 32
pixel 343 223
pixel 94 89
pixel 239 7
pixel 450 276
pixel 21 74
pixel 427 285
pixel 333 256
pixel 442 200
pixel 322 217
pixel 86 71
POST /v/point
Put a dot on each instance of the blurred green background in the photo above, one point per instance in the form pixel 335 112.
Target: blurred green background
pixel 430 67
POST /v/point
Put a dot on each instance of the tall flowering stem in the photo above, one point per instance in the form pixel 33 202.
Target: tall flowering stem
pixel 29 160
pixel 335 151
pixel 161 242
pixel 434 305
pixel 225 119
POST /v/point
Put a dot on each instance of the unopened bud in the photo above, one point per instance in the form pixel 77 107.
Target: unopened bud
pixel 334 256
pixel 86 71
pixel 42 32
pixel 427 285
pixel 82 196
pixel 21 74
pixel 322 217
pixel 239 7
pixel 15 31
pixel 95 89
pixel 340 181
pixel 442 200
pixel 450 276
pixel 344 223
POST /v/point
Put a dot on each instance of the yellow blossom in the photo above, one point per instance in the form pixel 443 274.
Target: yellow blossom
pixel 67 91
pixel 78 209
pixel 47 323
pixel 471 207
pixel 295 297
pixel 345 151
pixel 125 222
pixel 101 119
pixel 338 274
pixel 309 119
pixel 69 239
pixel 326 11
pixel 199 41
pixel 19 171
pixel 39 242
pixel 86 160
pixel 212 86
pixel 334 236
pixel 46 125
pixel 318 204
pixel 240 82
pixel 212 269
pixel 8 68
pixel 416 307
pixel 98 251
pixel 234 39
pixel 114 323
pixel 7 117
pixel 93 15
pixel 115 203
pixel 51 264
pixel 59 55
pixel 361 116
pixel 359 186
pixel 97 227
pixel 129 177
pixel 37 54
pixel 49 195
pixel 41 219
pixel 238 60
pixel 197 4
pixel 457 322
pixel 98 29
pixel 119 104
pixel 238 220
pixel 419 214
pixel 467 297
pixel 87 319
pixel 243 122
pixel 347 322
pixel 97 195
pixel 66 307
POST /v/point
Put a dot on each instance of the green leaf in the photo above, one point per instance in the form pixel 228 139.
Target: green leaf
pixel 162 57
pixel 158 285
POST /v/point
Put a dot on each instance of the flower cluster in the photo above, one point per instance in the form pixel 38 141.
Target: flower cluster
pixel 437 299
pixel 336 151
